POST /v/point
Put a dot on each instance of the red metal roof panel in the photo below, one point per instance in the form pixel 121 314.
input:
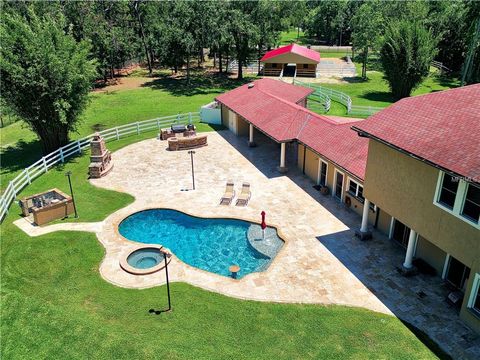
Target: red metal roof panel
pixel 293 49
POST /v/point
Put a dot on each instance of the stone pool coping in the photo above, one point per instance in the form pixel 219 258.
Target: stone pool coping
pixel 136 271
pixel 116 225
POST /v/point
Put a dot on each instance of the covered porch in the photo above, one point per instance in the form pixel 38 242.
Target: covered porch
pixel 255 137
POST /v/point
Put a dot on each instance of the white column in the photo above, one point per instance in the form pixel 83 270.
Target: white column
pixel 366 207
pixel 410 248
pixel 319 169
pixel 251 133
pixel 282 155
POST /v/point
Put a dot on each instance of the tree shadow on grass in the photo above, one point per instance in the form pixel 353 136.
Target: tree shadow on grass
pixel 200 83
pixel 16 158
pixel 382 96
pixel 19 156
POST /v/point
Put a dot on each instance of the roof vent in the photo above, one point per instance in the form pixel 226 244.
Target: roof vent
pixel 251 85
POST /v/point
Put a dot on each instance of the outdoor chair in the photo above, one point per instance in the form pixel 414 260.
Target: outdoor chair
pixel 244 196
pixel 229 194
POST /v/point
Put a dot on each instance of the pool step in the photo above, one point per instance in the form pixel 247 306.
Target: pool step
pixel 269 246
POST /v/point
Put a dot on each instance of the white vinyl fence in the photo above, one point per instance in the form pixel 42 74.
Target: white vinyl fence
pixel 324 95
pixel 58 156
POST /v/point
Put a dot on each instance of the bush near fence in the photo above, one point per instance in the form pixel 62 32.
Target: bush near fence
pixel 60 155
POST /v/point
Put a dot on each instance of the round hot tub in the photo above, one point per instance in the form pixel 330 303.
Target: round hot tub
pixel 144 260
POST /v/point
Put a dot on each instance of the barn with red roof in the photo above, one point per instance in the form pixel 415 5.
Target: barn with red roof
pixel 302 59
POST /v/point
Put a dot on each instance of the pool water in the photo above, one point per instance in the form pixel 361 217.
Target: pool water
pixel 209 244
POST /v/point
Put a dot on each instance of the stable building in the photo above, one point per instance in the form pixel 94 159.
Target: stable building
pixel 301 61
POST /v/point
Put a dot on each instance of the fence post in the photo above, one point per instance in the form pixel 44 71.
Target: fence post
pixel 79 147
pixel 138 128
pixel 61 155
pixel 158 123
pixel 28 176
pixel 178 118
pixel 189 117
pixel 44 164
pixel 13 189
pixel 117 133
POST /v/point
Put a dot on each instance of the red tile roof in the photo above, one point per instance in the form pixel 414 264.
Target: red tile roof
pixel 293 49
pixel 270 105
pixel 442 128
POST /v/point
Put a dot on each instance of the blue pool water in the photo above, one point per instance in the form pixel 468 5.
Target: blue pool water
pixel 209 244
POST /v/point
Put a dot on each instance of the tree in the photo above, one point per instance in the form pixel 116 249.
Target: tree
pixel 243 29
pixel 45 75
pixel 406 55
pixel 367 25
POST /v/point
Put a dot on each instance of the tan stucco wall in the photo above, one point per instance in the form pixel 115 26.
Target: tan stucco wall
pixel 311 170
pixel 242 127
pixel 311 162
pixel 405 188
pixel 224 115
pixel 431 254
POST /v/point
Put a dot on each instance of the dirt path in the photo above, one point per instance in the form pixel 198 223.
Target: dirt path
pixel 126 83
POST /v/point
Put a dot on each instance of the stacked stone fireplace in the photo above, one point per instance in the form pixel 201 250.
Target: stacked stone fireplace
pixel 100 158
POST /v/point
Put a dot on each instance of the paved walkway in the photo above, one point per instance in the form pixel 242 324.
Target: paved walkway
pixel 321 262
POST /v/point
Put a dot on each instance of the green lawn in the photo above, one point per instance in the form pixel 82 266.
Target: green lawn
pixel 163 96
pixel 287 37
pixel 375 91
pixel 55 304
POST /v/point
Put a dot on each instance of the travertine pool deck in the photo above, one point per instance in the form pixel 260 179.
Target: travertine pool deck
pixel 321 262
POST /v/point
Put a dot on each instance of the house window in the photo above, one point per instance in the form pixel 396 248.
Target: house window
pixel 305 66
pixel 274 65
pixel 448 192
pixel 457 273
pixel 471 205
pixel 474 302
pixel 323 173
pixel 459 197
pixel 356 190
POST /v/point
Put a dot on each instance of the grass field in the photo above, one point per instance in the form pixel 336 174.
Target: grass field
pixel 292 35
pixel 163 96
pixel 55 304
pixel 375 91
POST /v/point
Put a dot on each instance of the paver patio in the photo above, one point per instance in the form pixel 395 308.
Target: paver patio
pixel 321 262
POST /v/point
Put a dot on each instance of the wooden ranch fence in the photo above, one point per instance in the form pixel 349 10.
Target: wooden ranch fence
pixel 40 167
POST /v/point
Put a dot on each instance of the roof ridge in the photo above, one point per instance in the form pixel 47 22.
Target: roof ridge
pixel 300 108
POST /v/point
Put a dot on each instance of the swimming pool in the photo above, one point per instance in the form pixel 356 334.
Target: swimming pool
pixel 209 244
